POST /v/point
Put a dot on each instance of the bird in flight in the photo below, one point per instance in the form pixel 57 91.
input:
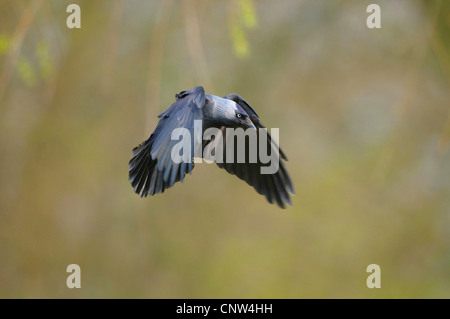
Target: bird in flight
pixel 152 169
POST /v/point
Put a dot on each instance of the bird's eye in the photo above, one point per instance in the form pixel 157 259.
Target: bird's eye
pixel 238 115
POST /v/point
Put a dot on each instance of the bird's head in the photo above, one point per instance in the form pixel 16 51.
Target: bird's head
pixel 225 112
pixel 242 119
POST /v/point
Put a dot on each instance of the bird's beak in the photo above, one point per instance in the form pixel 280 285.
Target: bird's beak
pixel 249 124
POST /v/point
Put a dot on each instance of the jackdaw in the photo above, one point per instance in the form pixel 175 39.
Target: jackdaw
pixel 152 168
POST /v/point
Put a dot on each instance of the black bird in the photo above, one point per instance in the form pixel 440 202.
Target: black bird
pixel 151 169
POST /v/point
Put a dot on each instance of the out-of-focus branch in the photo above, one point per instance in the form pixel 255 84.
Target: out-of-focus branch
pixel 19 35
pixel 241 16
pixel 111 46
pixel 442 57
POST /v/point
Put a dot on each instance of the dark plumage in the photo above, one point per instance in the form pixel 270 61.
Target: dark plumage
pixel 151 169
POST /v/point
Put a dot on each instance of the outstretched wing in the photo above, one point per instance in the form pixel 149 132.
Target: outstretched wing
pixel 278 186
pixel 151 168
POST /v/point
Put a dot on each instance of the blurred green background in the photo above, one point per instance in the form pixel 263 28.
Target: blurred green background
pixel 363 117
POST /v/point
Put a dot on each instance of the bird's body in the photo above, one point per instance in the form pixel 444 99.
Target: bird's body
pixel 216 108
pixel 152 168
